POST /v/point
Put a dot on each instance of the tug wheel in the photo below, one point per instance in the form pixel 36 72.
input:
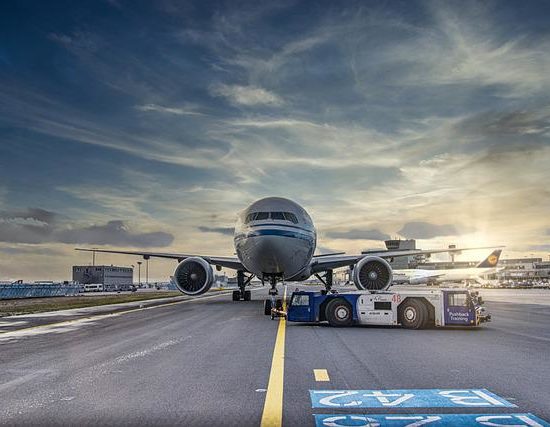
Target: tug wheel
pixel 414 314
pixel 267 307
pixel 339 313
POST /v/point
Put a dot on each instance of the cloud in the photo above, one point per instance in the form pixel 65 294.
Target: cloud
pixel 435 112
pixel 35 226
pixel 31 215
pixel 426 230
pixel 168 110
pixel 516 123
pixel 322 250
pixel 26 250
pixel 543 248
pixel 246 95
pixel 115 233
pixel 358 234
pixel 227 231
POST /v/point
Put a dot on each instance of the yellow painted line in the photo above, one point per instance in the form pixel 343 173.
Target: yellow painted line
pixel 321 375
pixel 273 407
pixel 106 315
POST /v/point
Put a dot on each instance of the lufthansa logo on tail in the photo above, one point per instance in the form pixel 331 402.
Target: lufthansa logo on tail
pixel 493 259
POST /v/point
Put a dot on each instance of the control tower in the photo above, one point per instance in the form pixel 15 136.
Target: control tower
pixel 401 245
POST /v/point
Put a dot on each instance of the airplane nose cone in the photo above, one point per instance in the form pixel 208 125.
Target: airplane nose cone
pixel 274 252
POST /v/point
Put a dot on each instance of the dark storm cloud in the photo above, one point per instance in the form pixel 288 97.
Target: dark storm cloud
pixel 35 226
pixel 35 214
pixel 114 233
pixel 16 250
pixel 426 230
pixel 357 234
pixel 228 231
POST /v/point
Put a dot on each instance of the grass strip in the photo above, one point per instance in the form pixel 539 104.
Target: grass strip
pixel 39 305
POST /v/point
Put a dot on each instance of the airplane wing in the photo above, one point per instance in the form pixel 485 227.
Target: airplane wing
pixel 227 262
pixel 337 261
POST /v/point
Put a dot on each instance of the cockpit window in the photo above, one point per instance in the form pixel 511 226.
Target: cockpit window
pixel 289 216
pixel 276 216
pixel 261 215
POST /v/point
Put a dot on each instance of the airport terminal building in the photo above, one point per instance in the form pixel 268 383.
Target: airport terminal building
pixel 112 277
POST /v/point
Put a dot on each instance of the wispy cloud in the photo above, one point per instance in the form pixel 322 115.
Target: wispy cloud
pixel 246 95
pixel 357 234
pixel 168 110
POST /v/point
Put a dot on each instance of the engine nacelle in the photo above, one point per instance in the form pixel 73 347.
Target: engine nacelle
pixel 372 273
pixel 194 276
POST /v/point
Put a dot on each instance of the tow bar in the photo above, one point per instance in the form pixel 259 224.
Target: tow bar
pixel 277 313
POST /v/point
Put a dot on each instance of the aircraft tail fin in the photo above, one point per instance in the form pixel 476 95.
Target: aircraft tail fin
pixel 491 260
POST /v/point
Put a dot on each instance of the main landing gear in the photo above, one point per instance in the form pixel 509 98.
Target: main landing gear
pixel 327 281
pixel 242 293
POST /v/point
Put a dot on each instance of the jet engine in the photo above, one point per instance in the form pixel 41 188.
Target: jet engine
pixel 372 273
pixel 194 276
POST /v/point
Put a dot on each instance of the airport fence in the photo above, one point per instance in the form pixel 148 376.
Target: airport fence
pixel 30 290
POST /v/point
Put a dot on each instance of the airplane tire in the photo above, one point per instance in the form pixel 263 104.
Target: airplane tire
pixel 236 295
pixel 339 313
pixel 414 314
pixel 267 307
pixel 247 295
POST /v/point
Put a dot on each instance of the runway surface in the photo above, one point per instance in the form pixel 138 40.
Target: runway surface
pixel 208 362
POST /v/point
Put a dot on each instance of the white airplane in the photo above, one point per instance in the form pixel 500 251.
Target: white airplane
pixel 275 240
pixel 420 276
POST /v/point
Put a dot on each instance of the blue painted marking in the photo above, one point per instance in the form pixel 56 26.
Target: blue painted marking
pixel 404 420
pixel 271 224
pixel 275 232
pixel 416 398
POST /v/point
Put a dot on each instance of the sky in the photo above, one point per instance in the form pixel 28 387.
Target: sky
pixel 150 125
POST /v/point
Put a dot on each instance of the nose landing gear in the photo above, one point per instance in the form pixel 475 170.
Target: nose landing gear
pixel 272 305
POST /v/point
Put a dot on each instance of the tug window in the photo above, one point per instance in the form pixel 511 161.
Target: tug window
pixel 457 300
pixel 300 300
pixel 261 216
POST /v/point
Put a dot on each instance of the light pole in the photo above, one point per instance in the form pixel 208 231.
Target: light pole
pixel 146 257
pixel 139 273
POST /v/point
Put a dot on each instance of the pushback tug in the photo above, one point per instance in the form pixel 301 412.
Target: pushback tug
pixel 410 308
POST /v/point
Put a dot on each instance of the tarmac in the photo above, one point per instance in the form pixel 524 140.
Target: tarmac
pixel 211 361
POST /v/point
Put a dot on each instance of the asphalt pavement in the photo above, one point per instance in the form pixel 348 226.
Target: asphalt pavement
pixel 209 361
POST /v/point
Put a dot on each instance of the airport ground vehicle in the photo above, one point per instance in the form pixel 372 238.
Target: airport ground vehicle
pixel 413 309
pixel 93 287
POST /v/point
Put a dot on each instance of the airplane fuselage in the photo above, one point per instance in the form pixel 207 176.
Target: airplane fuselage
pixel 445 275
pixel 275 237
